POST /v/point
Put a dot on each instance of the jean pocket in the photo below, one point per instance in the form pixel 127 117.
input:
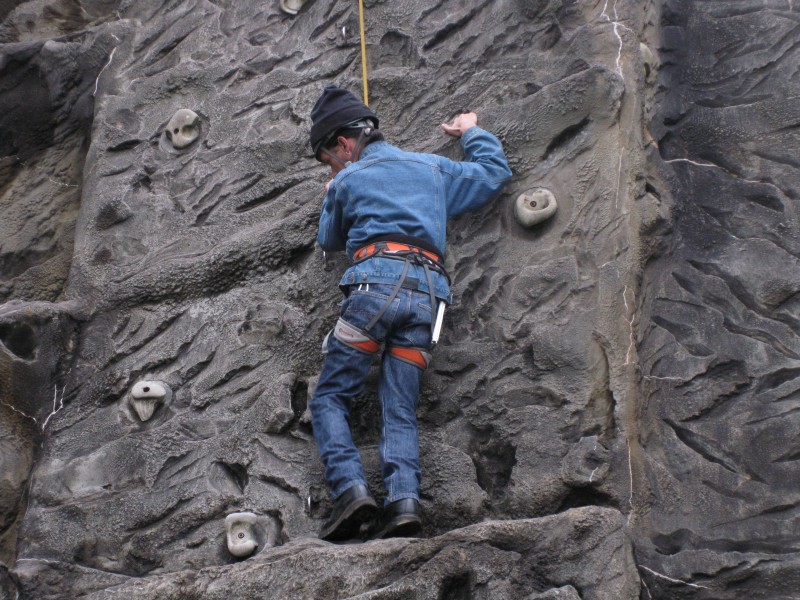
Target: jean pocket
pixel 362 306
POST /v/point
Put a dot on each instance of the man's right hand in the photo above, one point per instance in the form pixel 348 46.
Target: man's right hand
pixel 460 124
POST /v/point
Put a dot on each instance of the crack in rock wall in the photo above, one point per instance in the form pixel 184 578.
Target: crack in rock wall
pixel 578 408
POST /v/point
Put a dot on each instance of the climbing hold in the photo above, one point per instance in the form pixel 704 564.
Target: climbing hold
pixel 183 128
pixel 649 63
pixel 292 7
pixel 586 463
pixel 241 535
pixel 535 206
pixel 146 396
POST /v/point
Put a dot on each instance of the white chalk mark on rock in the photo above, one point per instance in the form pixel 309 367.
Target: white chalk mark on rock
pixel 110 58
pixel 647 589
pixel 56 401
pixel 55 181
pixel 629 353
pixel 673 580
pixel 630 474
pixel 616 26
pixel 16 410
pixel 694 162
pixel 591 476
pixel 724 170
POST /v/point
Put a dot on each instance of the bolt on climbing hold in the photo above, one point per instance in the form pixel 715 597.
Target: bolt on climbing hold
pixel 183 128
pixel 240 528
pixel 146 396
pixel 292 7
pixel 535 206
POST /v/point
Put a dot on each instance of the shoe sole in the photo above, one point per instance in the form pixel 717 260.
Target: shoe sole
pixel 402 526
pixel 349 523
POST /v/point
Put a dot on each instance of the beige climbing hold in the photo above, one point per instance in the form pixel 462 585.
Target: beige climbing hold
pixel 535 206
pixel 146 396
pixel 183 128
pixel 649 62
pixel 292 7
pixel 240 528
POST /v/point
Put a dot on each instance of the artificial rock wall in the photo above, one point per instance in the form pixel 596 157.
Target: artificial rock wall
pixel 611 411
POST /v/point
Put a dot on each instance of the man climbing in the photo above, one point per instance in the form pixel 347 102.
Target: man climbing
pixel 387 209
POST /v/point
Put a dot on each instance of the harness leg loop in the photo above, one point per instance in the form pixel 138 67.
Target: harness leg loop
pixel 419 357
pixel 352 336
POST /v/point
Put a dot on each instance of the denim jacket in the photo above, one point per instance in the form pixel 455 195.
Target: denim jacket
pixel 390 191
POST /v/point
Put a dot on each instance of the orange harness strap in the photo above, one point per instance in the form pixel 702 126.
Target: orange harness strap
pixel 415 356
pixel 369 250
pixel 357 338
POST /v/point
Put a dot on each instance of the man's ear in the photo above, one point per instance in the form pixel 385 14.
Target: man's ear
pixel 345 144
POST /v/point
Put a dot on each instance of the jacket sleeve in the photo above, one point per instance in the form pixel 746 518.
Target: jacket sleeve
pixel 330 236
pixel 474 182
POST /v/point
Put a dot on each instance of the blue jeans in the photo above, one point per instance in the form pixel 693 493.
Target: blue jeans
pixel 407 322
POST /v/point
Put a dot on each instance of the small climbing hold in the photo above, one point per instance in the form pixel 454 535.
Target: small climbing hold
pixel 649 63
pixel 586 463
pixel 292 7
pixel 146 396
pixel 535 206
pixel 183 128
pixel 240 528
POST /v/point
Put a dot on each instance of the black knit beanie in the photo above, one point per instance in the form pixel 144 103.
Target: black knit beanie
pixel 335 109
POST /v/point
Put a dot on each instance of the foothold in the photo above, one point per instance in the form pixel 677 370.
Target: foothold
pixel 146 396
pixel 292 7
pixel 183 128
pixel 535 206
pixel 112 212
pixel 586 463
pixel 649 62
pixel 241 535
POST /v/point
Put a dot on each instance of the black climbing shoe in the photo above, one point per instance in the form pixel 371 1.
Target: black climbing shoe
pixel 401 518
pixel 350 510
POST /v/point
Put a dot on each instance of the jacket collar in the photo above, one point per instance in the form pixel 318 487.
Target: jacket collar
pixel 370 148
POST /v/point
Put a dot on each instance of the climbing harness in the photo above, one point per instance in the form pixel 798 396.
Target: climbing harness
pixel 393 248
pixel 411 254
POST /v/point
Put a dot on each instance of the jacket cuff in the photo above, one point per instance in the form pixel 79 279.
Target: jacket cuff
pixel 470 133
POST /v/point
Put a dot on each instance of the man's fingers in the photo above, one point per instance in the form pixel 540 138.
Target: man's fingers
pixel 450 130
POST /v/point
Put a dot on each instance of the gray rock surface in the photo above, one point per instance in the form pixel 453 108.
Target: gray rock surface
pixel 493 559
pixel 616 381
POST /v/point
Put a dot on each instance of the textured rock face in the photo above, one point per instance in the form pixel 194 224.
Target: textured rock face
pixel 718 342
pixel 616 380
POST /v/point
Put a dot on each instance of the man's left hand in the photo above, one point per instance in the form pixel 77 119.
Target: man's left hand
pixel 460 124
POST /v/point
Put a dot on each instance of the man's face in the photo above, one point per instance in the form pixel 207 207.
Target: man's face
pixel 337 156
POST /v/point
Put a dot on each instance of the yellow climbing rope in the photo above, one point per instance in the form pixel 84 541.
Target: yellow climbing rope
pixel 363 52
